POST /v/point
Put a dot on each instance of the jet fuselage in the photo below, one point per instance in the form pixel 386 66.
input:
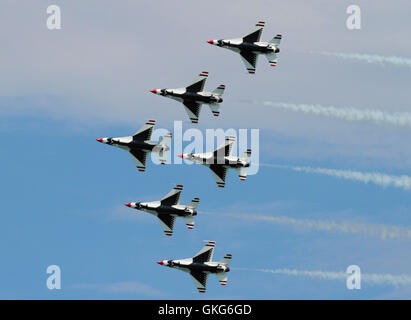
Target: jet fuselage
pixel 181 94
pixel 129 144
pixel 229 161
pixel 210 267
pixel 156 207
pixel 256 47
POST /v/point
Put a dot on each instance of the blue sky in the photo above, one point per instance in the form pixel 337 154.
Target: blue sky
pixel 63 193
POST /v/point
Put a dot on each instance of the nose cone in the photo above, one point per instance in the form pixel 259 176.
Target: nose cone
pixel 99 139
pixel 210 41
pixel 153 91
pixel 160 262
pixel 181 155
pixel 128 204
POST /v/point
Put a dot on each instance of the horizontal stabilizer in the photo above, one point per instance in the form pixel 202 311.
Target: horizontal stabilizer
pixel 222 278
pixel 194 203
pixel 162 147
pixel 276 40
pixel 246 155
pixel 219 90
pixel 189 221
pixel 227 259
pixel 215 109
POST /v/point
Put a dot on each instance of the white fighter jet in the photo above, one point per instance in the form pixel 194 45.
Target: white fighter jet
pixel 250 47
pixel 220 160
pixel 168 209
pixel 193 96
pixel 139 145
pixel 201 265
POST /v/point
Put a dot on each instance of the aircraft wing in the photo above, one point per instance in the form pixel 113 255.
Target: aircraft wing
pixel 173 197
pixel 219 173
pixel 198 84
pixel 140 159
pixel 206 253
pixel 255 34
pixel 144 133
pixel 225 149
pixel 167 222
pixel 249 60
pixel 200 280
pixel 193 110
pixel 272 59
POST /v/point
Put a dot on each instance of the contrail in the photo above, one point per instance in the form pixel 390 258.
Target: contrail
pixel 397 119
pixel 377 178
pixel 381 231
pixel 370 278
pixel 371 58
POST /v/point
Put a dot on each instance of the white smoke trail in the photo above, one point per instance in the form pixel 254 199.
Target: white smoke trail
pixel 382 231
pixel 397 119
pixel 370 278
pixel 371 58
pixel 377 178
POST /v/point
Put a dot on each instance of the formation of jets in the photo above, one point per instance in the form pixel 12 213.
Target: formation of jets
pixel 218 161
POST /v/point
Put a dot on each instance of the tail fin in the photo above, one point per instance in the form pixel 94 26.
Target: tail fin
pixel 194 203
pixel 219 90
pixel 246 155
pixel 227 259
pixel 162 147
pixel 276 40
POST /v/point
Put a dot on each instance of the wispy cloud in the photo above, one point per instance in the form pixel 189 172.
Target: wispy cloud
pixel 127 287
pixel 381 179
pixel 369 278
pixel 379 117
pixel 370 58
pixel 381 231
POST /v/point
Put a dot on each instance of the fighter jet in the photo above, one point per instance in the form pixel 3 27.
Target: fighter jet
pixel 201 265
pixel 220 160
pixel 139 145
pixel 168 209
pixel 249 47
pixel 193 96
